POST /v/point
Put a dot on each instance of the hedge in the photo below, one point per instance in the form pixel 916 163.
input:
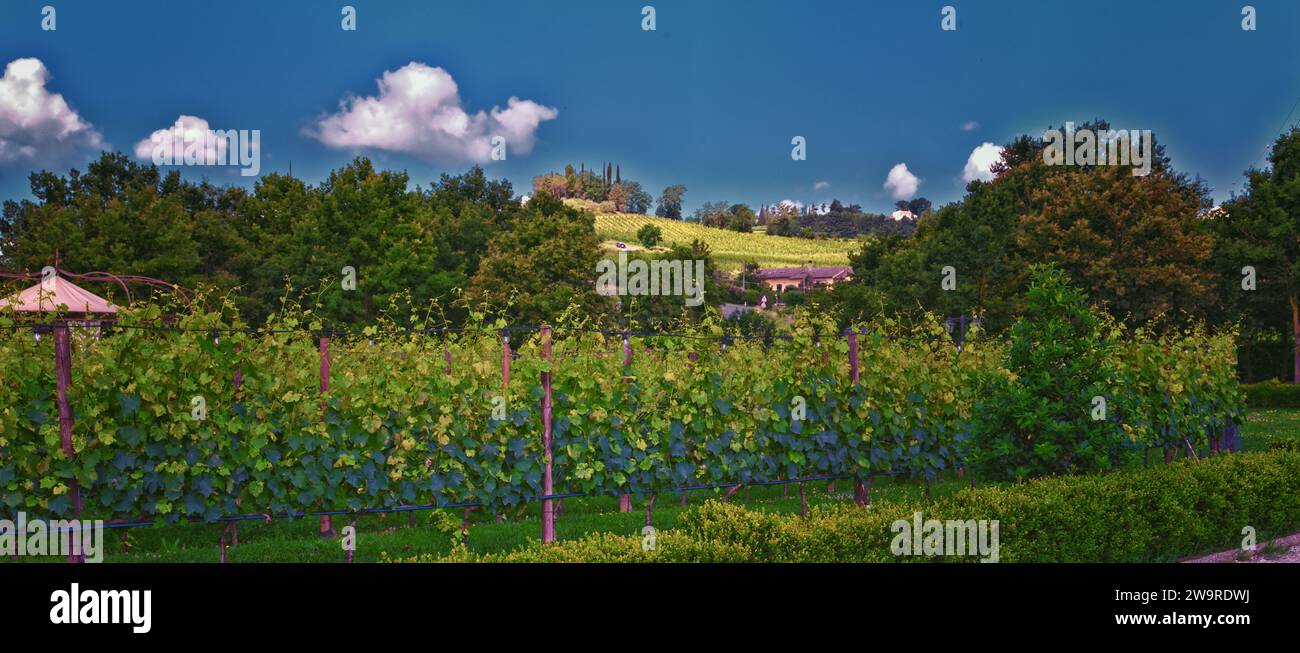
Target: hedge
pixel 1288 444
pixel 1272 394
pixel 1159 513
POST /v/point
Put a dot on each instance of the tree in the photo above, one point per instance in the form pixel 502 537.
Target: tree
pixel 662 311
pixel 553 185
pixel 619 196
pixel 545 263
pixel 120 216
pixel 1132 241
pixel 670 202
pixel 1261 229
pixel 1135 243
pixel 713 214
pixel 781 220
pixel 406 246
pixel 649 235
pixel 741 218
pixel 1038 421
pixel 749 271
pixel 591 186
pixel 638 201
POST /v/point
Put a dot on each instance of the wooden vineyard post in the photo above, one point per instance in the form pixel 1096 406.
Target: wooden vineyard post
pixel 692 356
pixel 63 379
pixel 505 360
pixel 464 524
pixel 548 487
pixel 233 527
pixel 625 499
pixel 826 355
pixel 861 491
pixel 326 525
pixel 239 371
pixel 853 356
pixel 505 380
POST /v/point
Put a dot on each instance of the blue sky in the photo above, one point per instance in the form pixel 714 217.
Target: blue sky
pixel 710 99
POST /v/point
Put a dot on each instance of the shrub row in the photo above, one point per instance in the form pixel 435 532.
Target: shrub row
pixel 1272 394
pixel 1159 513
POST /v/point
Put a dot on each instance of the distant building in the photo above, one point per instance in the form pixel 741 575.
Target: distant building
pixel 804 278
pixel 903 215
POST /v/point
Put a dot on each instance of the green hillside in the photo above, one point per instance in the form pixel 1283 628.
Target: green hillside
pixel 730 248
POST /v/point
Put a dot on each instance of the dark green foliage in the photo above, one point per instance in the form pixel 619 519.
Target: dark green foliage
pixel 408 247
pixel 670 202
pixel 1156 514
pixel 751 324
pixel 1039 422
pixel 649 235
pixel 1272 394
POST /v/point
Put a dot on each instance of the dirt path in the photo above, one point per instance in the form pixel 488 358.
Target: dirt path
pixel 1283 549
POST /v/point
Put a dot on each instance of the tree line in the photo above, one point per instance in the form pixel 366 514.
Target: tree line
pixel 1151 249
pixel 463 243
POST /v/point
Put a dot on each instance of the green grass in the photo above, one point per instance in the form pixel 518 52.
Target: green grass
pixel 1268 424
pixel 436 531
pixel 730 248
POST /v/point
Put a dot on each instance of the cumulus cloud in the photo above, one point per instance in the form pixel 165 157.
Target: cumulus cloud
pixel 821 185
pixel 970 126
pixel 37 126
pixel 192 133
pixel 901 183
pixel 419 112
pixel 979 165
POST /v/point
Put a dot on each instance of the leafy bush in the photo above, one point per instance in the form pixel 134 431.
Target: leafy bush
pixel 794 297
pixel 649 235
pixel 1288 444
pixel 1038 421
pixel 1159 513
pixel 1175 389
pixel 670 546
pixel 1272 394
pixel 750 324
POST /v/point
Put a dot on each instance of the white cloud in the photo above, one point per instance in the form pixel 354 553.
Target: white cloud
pixel 37 126
pixel 970 126
pixel 194 133
pixel 418 112
pixel 979 165
pixel 821 185
pixel 901 183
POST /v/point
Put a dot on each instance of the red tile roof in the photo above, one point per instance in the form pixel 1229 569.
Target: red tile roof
pixel 832 273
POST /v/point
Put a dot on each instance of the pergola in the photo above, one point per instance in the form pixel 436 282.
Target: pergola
pixel 56 292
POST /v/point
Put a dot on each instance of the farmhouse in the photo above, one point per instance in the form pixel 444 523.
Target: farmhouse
pixel 804 278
